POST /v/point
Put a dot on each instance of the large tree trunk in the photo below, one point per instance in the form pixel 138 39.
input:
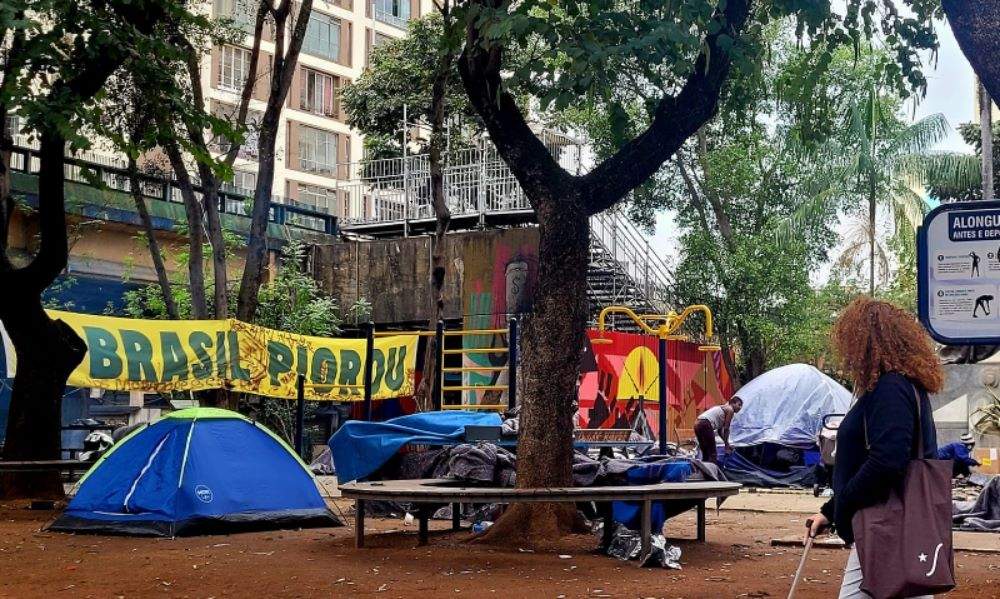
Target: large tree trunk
pixel 553 343
pixel 976 24
pixel 196 252
pixel 554 336
pixel 162 278
pixel 47 351
pixel 986 137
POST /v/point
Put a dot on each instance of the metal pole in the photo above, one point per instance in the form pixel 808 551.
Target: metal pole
pixel 369 350
pixel 300 414
pixel 512 364
pixel 663 395
pixel 436 389
pixel 406 177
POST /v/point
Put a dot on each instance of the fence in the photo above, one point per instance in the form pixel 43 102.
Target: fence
pixel 102 171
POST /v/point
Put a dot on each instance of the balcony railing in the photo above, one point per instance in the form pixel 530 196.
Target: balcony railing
pixel 380 13
pixel 110 172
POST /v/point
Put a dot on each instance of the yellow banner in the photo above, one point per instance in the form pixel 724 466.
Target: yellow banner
pixel 190 355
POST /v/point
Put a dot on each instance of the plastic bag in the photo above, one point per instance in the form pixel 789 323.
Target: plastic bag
pixel 626 544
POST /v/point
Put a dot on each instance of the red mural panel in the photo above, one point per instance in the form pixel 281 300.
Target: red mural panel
pixel 627 379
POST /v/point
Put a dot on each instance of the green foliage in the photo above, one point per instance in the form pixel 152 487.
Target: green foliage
pixel 757 285
pixel 765 166
pixel 946 190
pixel 881 160
pixel 626 55
pixel 293 302
pixel 400 74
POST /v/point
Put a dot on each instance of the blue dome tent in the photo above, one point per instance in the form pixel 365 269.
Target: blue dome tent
pixel 196 471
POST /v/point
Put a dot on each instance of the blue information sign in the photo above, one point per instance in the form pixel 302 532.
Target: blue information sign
pixel 958 273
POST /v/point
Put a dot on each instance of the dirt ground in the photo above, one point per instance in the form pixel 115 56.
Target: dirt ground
pixel 737 561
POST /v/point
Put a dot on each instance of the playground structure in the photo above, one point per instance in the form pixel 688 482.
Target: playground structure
pixel 445 371
pixel 668 328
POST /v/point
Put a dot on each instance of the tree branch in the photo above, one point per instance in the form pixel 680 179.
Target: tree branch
pixel 529 160
pixel 677 118
pixel 248 85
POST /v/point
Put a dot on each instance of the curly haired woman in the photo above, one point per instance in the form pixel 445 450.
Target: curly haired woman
pixel 890 359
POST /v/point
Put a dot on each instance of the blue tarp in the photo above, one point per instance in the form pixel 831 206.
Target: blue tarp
pixel 739 469
pixel 192 475
pixel 629 513
pixel 360 448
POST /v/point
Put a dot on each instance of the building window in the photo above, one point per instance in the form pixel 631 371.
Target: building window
pixel 376 40
pixel 238 11
pixel 317 150
pixel 322 36
pixel 319 93
pixel 316 196
pixel 227 112
pixel 393 12
pixel 233 68
pixel 244 181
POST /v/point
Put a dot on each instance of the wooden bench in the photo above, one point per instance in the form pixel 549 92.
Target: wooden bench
pixel 443 492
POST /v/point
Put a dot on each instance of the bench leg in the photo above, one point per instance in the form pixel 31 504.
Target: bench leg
pixel 701 521
pixel 646 530
pixel 359 523
pixel 456 516
pixel 423 516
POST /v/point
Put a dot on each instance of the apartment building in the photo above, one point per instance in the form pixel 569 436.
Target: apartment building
pixel 315 149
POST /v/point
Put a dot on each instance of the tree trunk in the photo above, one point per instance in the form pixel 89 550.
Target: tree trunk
pixel 47 351
pixel 552 343
pixel 256 260
pixel 210 199
pixel 871 243
pixel 975 25
pixel 283 66
pixel 986 136
pixel 729 362
pixel 441 213
pixel 196 253
pixel 162 278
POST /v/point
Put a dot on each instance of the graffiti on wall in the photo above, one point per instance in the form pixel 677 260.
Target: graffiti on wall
pixel 498 282
pixel 623 389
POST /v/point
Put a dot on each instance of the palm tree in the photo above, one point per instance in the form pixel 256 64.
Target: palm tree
pixel 885 162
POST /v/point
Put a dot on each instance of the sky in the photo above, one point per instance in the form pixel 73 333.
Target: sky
pixel 950 91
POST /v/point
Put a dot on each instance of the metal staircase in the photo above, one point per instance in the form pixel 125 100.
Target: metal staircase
pixel 391 198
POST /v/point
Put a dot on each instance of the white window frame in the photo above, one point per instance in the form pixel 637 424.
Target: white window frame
pixel 312 94
pixel 234 67
pixel 238 11
pixel 318 150
pixel 392 12
pixel 317 196
pixel 323 26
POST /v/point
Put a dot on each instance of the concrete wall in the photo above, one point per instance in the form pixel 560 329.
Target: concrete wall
pixel 965 390
pixel 490 274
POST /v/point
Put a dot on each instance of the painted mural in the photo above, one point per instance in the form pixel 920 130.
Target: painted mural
pixel 622 388
pixel 498 282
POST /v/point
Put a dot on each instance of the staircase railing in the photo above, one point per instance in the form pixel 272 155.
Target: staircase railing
pixel 478 183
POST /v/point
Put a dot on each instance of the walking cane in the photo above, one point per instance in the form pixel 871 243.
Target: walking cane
pixel 802 562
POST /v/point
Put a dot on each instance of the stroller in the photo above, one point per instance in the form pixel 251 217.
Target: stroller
pixel 827 441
